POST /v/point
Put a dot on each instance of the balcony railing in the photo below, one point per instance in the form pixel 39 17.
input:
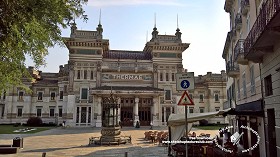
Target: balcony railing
pixel 268 14
pixel 239 53
pixel 232 69
pixel 245 5
pixel 227 105
pixel 238 21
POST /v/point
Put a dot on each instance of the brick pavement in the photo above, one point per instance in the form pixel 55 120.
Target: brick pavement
pixel 68 142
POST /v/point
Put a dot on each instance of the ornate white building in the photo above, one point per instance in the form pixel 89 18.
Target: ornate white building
pixel 144 81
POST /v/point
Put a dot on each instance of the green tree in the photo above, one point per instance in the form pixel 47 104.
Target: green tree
pixel 29 28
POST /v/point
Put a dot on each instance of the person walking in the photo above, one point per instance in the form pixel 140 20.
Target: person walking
pixel 151 125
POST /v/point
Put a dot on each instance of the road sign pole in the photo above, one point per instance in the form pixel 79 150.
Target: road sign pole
pixel 186 114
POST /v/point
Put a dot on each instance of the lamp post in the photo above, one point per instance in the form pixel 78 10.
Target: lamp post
pixel 110 133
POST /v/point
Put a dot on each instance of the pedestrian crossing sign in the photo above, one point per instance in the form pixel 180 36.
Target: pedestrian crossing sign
pixel 185 100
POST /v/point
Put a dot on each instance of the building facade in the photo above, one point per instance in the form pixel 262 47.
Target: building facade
pixel 252 56
pixel 144 81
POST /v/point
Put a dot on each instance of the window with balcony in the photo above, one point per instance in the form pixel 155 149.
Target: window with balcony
pixel 160 76
pixel 85 74
pixel 39 112
pixel 19 111
pixel 201 109
pixel 268 85
pixel 173 76
pixel 60 111
pixel 52 95
pixel 244 85
pixel 167 95
pixel 201 97
pixel 84 93
pixel 40 96
pixel 252 78
pixel 167 76
pixel 78 74
pixel 191 109
pixel 216 95
pixel 60 95
pixel 20 95
pixel 91 75
pixel 52 111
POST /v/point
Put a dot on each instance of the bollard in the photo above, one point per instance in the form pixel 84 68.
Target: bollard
pixel 44 154
pixel 125 154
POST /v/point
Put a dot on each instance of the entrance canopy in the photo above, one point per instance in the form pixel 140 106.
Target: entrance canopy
pixel 177 121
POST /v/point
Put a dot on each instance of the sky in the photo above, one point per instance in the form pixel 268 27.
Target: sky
pixel 128 23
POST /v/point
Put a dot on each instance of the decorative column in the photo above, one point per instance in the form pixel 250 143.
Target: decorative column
pixel 99 112
pixel 119 111
pixel 71 97
pixel 98 74
pixel 155 111
pixel 155 75
pixel 164 115
pixel 164 75
pixel 136 116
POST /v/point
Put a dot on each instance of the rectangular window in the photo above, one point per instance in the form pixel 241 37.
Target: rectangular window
pixel 167 95
pixel 201 109
pixel 40 95
pixel 167 76
pixel 244 85
pixel 191 96
pixel 52 95
pixel 60 111
pixel 85 74
pixel 160 77
pixel 252 77
pixel 61 95
pixel 91 75
pixel 201 98
pixel 217 108
pixel 216 97
pixel 173 76
pixel 268 85
pixel 20 95
pixel 19 111
pixel 52 112
pixel 4 95
pixel 84 93
pixel 39 112
pixel 190 109
pixel 79 74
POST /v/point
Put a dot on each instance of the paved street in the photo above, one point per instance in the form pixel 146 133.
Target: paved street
pixel 74 142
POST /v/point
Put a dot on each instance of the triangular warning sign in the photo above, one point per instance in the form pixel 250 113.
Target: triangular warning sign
pixel 185 99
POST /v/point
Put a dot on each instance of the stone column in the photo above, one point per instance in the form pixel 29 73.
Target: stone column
pixel 119 110
pixel 170 76
pixel 155 111
pixel 164 115
pixel 71 97
pixel 164 75
pixel 136 116
pixel 155 75
pixel 98 74
pixel 99 112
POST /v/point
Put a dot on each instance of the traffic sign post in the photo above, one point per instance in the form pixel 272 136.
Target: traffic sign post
pixel 184 82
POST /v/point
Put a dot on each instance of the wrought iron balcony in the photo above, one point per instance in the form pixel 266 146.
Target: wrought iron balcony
pixel 227 104
pixel 239 53
pixel 264 33
pixel 232 69
pixel 238 21
pixel 245 6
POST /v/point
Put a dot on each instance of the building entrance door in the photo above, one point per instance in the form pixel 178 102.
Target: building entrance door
pixel 127 116
pixel 144 116
pixel 83 116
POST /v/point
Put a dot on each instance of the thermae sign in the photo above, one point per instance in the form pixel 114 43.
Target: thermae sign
pixel 126 77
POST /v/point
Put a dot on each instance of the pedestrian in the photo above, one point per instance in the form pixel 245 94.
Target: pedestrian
pixel 151 125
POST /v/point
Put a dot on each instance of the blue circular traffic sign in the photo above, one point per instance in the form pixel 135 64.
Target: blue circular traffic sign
pixel 185 84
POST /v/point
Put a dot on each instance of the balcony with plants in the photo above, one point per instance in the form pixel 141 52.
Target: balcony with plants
pixel 265 32
pixel 232 69
pixel 239 53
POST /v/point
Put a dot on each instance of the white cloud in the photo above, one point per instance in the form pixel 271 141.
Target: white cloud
pixel 105 3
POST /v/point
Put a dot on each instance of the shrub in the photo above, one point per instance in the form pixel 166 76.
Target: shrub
pixel 203 122
pixel 34 121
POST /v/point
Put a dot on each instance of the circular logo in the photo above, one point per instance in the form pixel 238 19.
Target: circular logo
pixel 185 84
pixel 235 138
